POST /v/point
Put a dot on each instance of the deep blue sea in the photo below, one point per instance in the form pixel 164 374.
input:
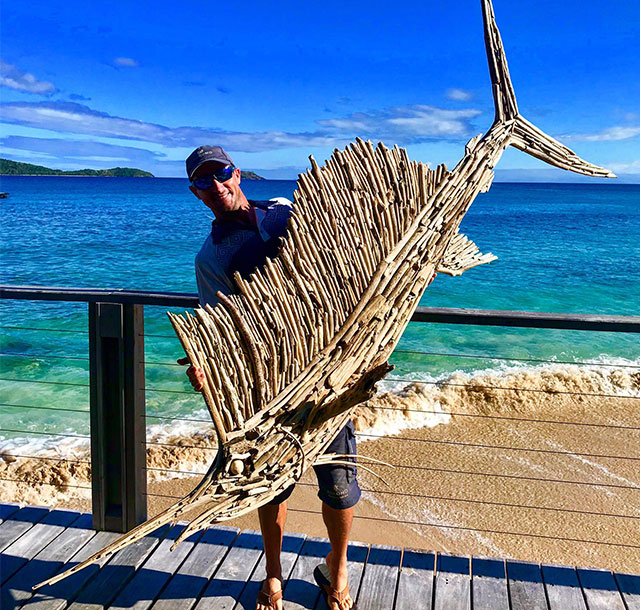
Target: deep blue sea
pixel 560 247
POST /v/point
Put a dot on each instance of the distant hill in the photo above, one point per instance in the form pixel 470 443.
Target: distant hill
pixel 250 175
pixel 15 168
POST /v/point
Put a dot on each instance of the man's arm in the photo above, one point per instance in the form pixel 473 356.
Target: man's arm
pixel 194 373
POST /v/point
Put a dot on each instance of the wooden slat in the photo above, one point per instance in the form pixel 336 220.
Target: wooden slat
pixel 452 583
pixel 41 541
pixel 7 509
pixel 489 584
pixel 380 579
pixel 301 591
pixel 188 583
pixel 231 577
pixel 46 563
pixel 525 586
pixel 112 577
pixel 56 597
pixel 629 585
pixel 600 589
pixel 21 521
pixel 415 583
pixel 563 588
pixel 356 560
pixel 150 579
pixel 291 545
pixel 18 553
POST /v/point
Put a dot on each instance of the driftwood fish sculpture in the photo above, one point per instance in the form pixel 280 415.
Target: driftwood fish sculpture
pixel 307 336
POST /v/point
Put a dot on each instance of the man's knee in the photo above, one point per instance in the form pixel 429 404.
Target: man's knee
pixel 338 483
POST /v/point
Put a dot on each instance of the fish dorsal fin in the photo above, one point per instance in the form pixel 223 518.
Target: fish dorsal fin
pixel 461 255
pixel 348 216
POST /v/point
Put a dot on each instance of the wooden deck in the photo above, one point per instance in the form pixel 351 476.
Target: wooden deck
pixel 223 567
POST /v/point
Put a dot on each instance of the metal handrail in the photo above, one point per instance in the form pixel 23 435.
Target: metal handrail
pixel 117 315
pixel 439 315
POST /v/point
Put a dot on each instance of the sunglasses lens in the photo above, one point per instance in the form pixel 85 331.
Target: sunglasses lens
pixel 203 183
pixel 222 175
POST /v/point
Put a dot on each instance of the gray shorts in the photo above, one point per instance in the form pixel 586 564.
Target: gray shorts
pixel 338 484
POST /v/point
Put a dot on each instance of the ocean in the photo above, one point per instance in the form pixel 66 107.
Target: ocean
pixel 561 248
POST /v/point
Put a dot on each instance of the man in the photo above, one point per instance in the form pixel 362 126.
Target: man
pixel 243 234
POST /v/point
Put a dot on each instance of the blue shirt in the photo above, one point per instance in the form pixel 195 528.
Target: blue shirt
pixel 232 247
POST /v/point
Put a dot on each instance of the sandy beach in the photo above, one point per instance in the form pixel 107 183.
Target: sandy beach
pixel 493 472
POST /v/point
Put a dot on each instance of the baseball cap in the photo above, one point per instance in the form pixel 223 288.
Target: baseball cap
pixel 204 154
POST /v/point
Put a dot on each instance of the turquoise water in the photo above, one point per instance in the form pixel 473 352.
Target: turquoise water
pixel 560 248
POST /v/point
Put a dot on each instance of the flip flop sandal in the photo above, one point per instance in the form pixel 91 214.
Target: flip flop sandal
pixel 330 595
pixel 268 600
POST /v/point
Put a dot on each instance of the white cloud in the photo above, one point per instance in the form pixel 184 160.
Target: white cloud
pixel 611 134
pixel 12 77
pixel 80 150
pixel 632 167
pixel 459 95
pixel 127 62
pixel 69 117
pixel 401 125
pixel 405 124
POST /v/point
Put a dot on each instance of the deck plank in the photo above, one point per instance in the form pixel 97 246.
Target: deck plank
pixel 415 582
pixel 563 588
pixel 380 579
pixel 526 588
pixel 489 584
pixel 20 522
pixel 231 577
pixel 150 579
pixel 27 546
pixel 223 570
pixel 46 563
pixel 291 545
pixel 188 583
pixel 356 558
pixel 7 509
pixel 301 591
pixel 452 583
pixel 600 589
pixel 629 585
pixel 115 574
pixel 56 597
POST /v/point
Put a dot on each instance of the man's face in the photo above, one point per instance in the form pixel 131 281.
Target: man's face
pixel 222 197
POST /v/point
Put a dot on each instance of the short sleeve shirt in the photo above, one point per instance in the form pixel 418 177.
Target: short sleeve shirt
pixel 234 247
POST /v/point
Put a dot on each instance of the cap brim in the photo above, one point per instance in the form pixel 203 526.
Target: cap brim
pixel 195 169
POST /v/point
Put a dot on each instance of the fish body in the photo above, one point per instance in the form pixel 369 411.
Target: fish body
pixel 307 337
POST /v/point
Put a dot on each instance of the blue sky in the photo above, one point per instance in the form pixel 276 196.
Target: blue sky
pixel 142 84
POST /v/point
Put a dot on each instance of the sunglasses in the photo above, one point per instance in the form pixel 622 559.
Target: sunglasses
pixel 222 175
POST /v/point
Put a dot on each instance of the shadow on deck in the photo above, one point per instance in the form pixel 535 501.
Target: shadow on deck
pixel 223 567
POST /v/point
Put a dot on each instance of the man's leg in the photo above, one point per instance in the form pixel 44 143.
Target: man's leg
pixel 338 522
pixel 272 519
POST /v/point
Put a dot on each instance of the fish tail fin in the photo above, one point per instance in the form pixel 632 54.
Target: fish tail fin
pixel 167 516
pixel 524 135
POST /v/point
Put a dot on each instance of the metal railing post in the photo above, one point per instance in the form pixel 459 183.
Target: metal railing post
pixel 117 410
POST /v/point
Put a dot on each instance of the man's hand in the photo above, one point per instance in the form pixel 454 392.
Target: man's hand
pixel 195 374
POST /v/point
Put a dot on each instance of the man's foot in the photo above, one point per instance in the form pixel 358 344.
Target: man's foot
pixel 337 589
pixel 270 595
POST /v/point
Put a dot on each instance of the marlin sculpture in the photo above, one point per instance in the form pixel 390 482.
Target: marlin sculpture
pixel 306 337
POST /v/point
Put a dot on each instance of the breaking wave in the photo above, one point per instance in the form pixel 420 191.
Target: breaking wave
pixel 400 404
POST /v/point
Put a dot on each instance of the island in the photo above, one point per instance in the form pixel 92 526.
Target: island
pixel 16 168
pixel 247 175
